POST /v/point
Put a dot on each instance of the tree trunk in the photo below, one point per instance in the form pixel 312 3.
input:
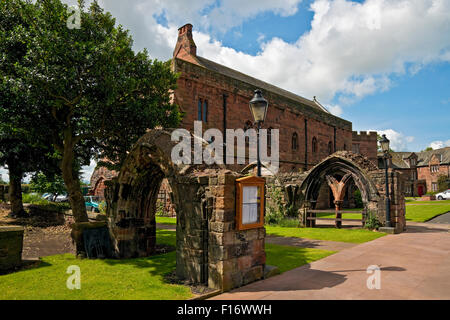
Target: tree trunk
pixel 15 190
pixel 72 182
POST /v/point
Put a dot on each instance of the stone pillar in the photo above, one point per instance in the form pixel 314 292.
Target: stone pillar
pixel 11 244
pixel 235 257
pixel 397 207
pixel 193 213
pixel 337 206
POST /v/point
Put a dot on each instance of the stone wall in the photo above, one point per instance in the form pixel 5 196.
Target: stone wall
pixel 424 173
pixel 366 176
pixel 197 82
pixel 366 143
pixel 209 248
pixel 11 244
pixel 397 196
pixel 228 93
pixel 235 257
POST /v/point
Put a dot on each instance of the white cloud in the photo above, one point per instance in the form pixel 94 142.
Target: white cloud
pixel 439 144
pixel 398 141
pixel 335 109
pixel 351 51
pixel 4 174
pixel 86 171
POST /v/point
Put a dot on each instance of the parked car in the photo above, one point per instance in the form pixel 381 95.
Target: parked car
pixel 92 203
pixel 445 195
pixel 62 198
pixel 55 198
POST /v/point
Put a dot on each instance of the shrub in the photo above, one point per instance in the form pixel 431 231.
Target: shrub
pixel 443 183
pixel 372 221
pixel 33 198
pixel 273 216
pixel 102 207
pixel 358 199
pixel 160 210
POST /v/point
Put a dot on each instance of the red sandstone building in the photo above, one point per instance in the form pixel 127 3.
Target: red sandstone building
pixel 422 169
pixel 219 97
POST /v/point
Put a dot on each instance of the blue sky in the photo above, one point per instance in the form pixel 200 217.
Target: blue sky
pixel 382 64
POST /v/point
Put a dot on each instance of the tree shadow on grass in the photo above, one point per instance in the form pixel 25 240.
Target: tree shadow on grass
pixel 159 264
pixel 27 265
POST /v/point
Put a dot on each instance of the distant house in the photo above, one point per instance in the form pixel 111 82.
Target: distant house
pixel 421 169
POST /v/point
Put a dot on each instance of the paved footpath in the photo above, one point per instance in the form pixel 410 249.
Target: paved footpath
pixel 414 265
pixel 310 243
pixel 443 218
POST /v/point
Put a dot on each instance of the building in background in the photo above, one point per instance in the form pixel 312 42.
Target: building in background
pixel 422 169
pixel 219 97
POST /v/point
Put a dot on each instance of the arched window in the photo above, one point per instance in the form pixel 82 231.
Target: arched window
pixel 205 111
pixel 199 110
pixel 294 142
pixel 330 148
pixel 314 145
pixel 202 110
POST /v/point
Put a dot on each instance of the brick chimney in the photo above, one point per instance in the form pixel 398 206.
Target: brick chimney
pixel 185 43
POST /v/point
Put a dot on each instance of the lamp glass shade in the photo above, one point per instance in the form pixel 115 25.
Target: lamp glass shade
pixel 258 107
pixel 384 143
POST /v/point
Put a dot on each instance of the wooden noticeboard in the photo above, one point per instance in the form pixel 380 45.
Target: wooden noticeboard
pixel 249 203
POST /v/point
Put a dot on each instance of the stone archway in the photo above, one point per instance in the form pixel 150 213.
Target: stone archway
pixel 131 206
pixel 210 250
pixel 344 167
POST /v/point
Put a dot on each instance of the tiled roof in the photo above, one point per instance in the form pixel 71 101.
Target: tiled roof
pixel 399 159
pixel 258 83
pixel 425 156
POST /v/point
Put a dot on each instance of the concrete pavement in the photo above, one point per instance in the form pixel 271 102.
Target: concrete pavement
pixel 310 243
pixel 414 265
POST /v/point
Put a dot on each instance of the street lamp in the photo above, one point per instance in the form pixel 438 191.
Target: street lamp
pixel 258 108
pixel 384 143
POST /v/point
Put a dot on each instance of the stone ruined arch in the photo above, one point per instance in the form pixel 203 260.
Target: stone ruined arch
pixel 342 164
pixel 131 204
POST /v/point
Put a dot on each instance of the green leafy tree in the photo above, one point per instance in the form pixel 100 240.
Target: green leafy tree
pixel 21 149
pixel 90 91
pixel 43 183
pixel 443 183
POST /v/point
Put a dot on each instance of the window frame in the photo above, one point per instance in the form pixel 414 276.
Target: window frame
pixel 314 145
pixel 294 141
pixel 241 183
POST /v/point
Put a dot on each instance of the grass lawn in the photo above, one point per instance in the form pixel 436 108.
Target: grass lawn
pixel 166 220
pixel 330 234
pixel 140 278
pixel 422 213
pixel 287 257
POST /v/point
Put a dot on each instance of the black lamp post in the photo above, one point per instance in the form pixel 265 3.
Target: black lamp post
pixel 258 108
pixel 384 142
